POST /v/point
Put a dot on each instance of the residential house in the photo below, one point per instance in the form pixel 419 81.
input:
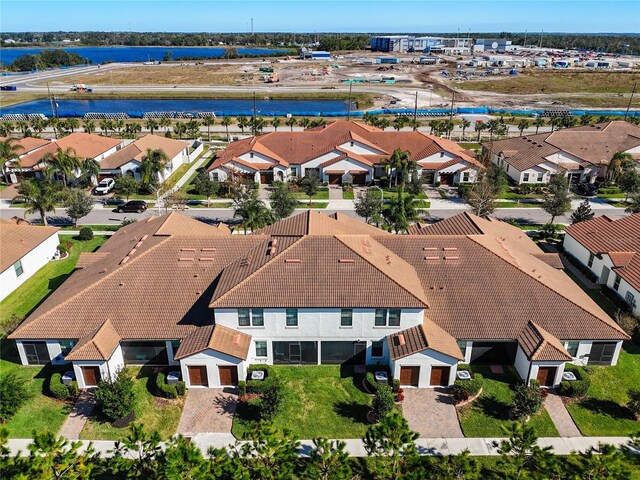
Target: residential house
pixel 316 289
pixel 83 145
pixel 583 153
pixel 343 152
pixel 26 145
pixel 128 159
pixel 610 249
pixel 24 249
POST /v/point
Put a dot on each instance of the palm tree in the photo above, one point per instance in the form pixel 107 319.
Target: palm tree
pixel 383 123
pixel 152 166
pixel 73 123
pixel 23 127
pixel 90 169
pixel 38 125
pixel 131 129
pixel 151 124
pixel 254 214
pixel 193 127
pixel 401 162
pixel 118 125
pixel 479 127
pixel 619 162
pixel 243 122
pixel 523 125
pixel 225 122
pixel 304 122
pixel 208 121
pixel 494 126
pixel 275 123
pixel 8 155
pixel 89 126
pixel 401 211
pixel 180 128
pixel 40 197
pixel 257 124
pixel 165 122
pixel 105 126
pixel 538 122
pixel 64 161
pixel 434 126
pixel 399 123
pixel 465 124
pixel 6 128
pixel 586 120
pixel 291 122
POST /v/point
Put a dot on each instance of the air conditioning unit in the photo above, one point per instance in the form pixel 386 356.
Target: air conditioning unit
pixel 463 375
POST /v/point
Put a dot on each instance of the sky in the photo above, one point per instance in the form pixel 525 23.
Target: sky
pixel 419 16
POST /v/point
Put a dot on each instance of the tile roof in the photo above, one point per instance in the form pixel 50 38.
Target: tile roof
pixel 421 337
pixel 27 144
pixel 85 145
pixel 620 239
pixel 540 345
pixel 551 259
pixel 215 337
pixel 312 222
pixel 137 150
pixel 98 345
pixel 462 224
pixel 18 239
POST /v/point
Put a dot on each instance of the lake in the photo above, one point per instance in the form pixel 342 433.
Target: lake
pixel 136 54
pixel 221 107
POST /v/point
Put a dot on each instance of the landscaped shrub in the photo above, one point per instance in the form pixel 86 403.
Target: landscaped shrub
pixel 396 385
pixel 576 388
pixel 267 394
pixel 634 402
pixel 62 249
pixel 242 388
pixel 163 388
pixel 271 400
pixel 465 389
pixel 73 388
pixel 630 324
pixel 57 388
pixel 383 402
pixel 181 388
pixel 13 393
pixel 527 400
pixel 116 398
pixel 85 234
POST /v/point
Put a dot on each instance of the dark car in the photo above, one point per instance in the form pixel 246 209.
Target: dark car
pixel 137 206
pixel 586 189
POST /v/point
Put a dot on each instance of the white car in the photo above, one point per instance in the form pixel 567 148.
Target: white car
pixel 105 186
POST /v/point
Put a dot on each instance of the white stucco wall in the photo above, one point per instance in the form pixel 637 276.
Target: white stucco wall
pixel 347 164
pixel 211 359
pixel 559 370
pixel 108 369
pixel 529 370
pixel 360 148
pixel 425 360
pixel 624 289
pixel 31 263
pixel 575 248
pixel 175 162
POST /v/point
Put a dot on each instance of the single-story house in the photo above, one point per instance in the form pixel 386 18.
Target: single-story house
pixel 24 249
pixel 610 249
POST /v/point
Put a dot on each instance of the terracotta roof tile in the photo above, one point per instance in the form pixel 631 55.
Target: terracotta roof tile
pixel 216 337
pixel 540 345
pixel 18 239
pixel 419 338
pixel 98 345
pixel 84 145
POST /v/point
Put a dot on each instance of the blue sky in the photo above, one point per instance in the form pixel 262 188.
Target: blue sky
pixel 321 16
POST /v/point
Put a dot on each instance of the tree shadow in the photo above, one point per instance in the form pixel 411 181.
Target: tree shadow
pixel 225 404
pixel 353 410
pixel 608 408
pixel 492 407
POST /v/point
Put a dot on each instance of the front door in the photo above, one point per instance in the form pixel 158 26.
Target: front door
pixel 266 178
pixel 335 178
pixel 439 376
pixel 198 376
pixel 446 179
pixel 602 353
pixel 546 376
pixel 409 376
pixel 228 375
pixel 359 178
pixel 91 376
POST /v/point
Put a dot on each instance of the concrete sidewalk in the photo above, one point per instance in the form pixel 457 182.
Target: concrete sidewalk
pixel 355 447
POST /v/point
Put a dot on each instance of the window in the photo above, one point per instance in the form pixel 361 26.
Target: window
pixel 541 177
pixel 175 345
pixel 244 319
pixel 385 317
pixel 630 299
pixel 572 348
pixel 465 177
pixel 251 155
pixel 507 169
pixel 18 268
pixel 590 262
pixel 292 317
pixel 141 353
pixel 346 317
pixel 525 177
pixel 261 348
pixel 294 172
pixel 66 346
pixel 376 348
pixel 616 283
pixel 257 317
pixel 37 353
pixel 462 345
pixel 215 177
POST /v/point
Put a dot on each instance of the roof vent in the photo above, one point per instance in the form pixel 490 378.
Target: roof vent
pixel 449 257
pixel 121 284
pixel 138 244
pixel 346 260
pixel 125 260
pixel 187 249
pixel 196 275
pixel 206 259
pixel 427 257
pixel 272 250
pixel 207 249
pixel 401 340
pixel 144 238
pixel 185 259
pixel 450 249
pixel 430 249
pixel 292 260
pixel 274 242
pixel 198 293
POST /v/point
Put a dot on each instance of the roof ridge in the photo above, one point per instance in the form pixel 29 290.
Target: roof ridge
pixel 422 300
pixel 252 274
pixel 612 325
pixel 544 342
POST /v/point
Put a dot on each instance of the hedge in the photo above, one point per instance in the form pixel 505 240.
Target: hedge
pixel 57 388
pixel 169 390
pixel 465 389
pixel 575 388
pixel 85 234
pixel 13 393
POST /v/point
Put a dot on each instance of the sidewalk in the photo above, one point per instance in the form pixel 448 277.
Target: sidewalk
pixel 560 416
pixel 80 412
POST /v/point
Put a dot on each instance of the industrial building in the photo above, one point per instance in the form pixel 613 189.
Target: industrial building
pixel 409 44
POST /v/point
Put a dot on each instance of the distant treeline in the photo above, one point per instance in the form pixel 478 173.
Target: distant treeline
pixel 613 43
pixel 47 59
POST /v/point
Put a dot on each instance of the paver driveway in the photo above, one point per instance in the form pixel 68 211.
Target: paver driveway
pixel 207 410
pixel 431 413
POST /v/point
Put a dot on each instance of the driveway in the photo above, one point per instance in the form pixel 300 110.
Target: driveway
pixel 431 413
pixel 207 410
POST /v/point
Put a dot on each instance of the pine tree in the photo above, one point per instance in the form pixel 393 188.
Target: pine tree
pixel 582 213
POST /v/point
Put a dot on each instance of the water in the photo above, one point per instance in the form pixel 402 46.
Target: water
pixel 135 54
pixel 136 108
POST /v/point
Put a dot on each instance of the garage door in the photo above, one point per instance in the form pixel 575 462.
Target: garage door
pixel 228 375
pixel 359 179
pixel 266 178
pixel 409 376
pixel 439 376
pixel 198 376
pixel 335 179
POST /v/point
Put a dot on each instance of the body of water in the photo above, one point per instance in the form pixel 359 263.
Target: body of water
pixel 135 54
pixel 222 107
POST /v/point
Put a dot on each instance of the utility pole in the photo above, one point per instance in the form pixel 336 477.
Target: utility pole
pixel 453 98
pixel 349 104
pixel 415 113
pixel 251 26
pixel 524 44
pixel 541 33
pixel 630 100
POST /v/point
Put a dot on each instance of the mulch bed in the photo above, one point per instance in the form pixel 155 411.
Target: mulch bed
pixel 124 422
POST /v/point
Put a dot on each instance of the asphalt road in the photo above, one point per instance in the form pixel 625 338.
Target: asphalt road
pixel 105 216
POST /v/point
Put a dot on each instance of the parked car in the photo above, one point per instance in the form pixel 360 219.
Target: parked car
pixel 105 186
pixel 137 206
pixel 586 189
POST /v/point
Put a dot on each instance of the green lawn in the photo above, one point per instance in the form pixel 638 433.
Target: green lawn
pixel 603 413
pixel 305 205
pixel 320 401
pixel 519 204
pixel 176 175
pixel 156 414
pixel 30 294
pixel 348 195
pixel 487 414
pixel 322 194
pixel 103 228
pixel 39 412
